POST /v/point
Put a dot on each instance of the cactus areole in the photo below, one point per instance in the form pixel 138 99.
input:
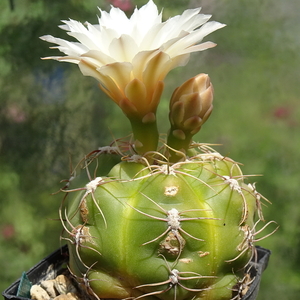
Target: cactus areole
pixel 150 217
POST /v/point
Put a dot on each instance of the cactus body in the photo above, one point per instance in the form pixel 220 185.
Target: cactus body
pixel 180 231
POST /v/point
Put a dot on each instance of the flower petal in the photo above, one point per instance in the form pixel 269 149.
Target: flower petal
pixel 98 58
pixel 123 48
pixel 200 47
pixel 108 86
pixel 136 93
pixel 89 70
pixel 140 62
pixel 179 61
pixel 188 21
pixel 69 48
pixel 120 73
pixel 153 39
pixel 193 38
pixel 144 19
pixel 176 27
pixel 156 69
pixel 73 26
pixel 116 19
pixel 156 95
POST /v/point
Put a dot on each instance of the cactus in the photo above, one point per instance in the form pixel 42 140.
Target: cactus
pixel 151 216
pixel 184 230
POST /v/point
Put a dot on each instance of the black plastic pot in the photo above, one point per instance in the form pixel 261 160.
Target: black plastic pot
pixel 56 262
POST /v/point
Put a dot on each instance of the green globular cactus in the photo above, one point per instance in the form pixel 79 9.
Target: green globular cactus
pixel 162 231
pixel 155 216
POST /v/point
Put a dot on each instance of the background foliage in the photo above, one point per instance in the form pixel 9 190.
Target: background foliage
pixel 51 115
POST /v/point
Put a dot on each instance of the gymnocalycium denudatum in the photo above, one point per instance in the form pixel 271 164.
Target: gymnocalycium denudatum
pixel 154 216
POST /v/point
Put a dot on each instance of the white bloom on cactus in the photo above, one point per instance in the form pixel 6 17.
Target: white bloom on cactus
pixel 130 57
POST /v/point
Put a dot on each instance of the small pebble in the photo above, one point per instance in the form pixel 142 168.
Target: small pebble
pixel 63 285
pixel 38 293
pixel 49 287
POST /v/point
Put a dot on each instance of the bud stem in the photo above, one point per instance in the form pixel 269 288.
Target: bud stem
pixel 180 142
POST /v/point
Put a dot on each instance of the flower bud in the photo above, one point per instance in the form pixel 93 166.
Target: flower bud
pixel 191 105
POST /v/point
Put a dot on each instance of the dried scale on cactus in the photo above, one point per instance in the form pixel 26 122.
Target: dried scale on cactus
pixel 154 216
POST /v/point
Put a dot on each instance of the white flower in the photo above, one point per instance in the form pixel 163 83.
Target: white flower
pixel 131 57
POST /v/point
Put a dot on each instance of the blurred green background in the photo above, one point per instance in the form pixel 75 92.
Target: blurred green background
pixel 50 116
